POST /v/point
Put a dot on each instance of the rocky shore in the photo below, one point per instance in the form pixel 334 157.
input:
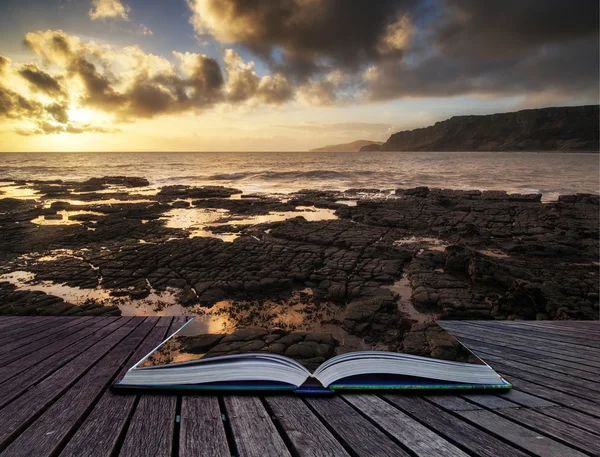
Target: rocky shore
pixel 387 260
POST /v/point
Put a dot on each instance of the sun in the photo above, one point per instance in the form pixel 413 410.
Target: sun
pixel 81 115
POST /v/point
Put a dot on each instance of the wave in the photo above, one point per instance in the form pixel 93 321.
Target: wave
pixel 292 175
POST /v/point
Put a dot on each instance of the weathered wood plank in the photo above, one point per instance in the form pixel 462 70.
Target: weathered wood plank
pixel 458 432
pixel 308 436
pixel 538 355
pixel 558 396
pixel 12 322
pixel 522 415
pixel 354 430
pixel 151 437
pixel 576 386
pixel 500 340
pixel 202 431
pixel 29 329
pixel 99 434
pixel 415 436
pixel 544 334
pixel 45 436
pixel 522 338
pixel 151 428
pixel 254 433
pixel 521 436
pixel 21 411
pixel 21 374
pixel 490 352
pixel 17 349
pixel 581 420
pixel 574 436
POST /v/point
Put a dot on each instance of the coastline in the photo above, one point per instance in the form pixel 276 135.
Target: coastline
pixel 362 263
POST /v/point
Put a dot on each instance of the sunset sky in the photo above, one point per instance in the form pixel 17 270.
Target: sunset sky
pixel 213 75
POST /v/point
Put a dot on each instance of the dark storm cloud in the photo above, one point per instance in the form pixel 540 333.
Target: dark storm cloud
pixel 478 28
pixel 415 48
pixel 311 34
pixel 40 80
pixel 16 106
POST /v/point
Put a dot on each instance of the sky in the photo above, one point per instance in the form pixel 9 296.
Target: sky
pixel 279 75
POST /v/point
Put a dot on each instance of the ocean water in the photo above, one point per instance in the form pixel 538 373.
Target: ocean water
pixel 282 172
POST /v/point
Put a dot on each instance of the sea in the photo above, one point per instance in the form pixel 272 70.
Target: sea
pixel 551 174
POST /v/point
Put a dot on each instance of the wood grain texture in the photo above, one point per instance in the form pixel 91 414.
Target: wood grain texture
pixel 525 438
pixel 416 437
pixel 364 438
pixel 308 435
pixel 30 329
pixel 254 431
pixel 21 374
pixel 462 434
pixel 18 414
pixel 46 434
pixel 99 434
pixel 152 427
pixel 202 429
pixel 55 401
pixel 18 349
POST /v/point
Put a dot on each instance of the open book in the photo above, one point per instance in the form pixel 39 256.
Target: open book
pixel 259 359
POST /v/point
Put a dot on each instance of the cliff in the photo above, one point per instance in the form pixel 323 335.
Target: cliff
pixel 547 129
pixel 355 146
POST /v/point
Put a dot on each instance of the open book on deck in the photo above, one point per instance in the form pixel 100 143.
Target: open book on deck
pixel 258 359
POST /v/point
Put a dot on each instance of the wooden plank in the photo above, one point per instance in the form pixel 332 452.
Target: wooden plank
pixel 21 374
pixel 11 322
pixel 254 433
pixel 542 356
pixel 579 338
pixel 18 349
pixel 500 340
pixel 578 328
pixel 563 414
pixel 581 420
pixel 519 435
pixel 202 431
pixel 20 412
pixel 576 386
pixel 31 328
pixel 490 352
pixel 515 396
pixel 152 426
pixel 100 432
pixel 522 338
pixel 153 437
pixel 308 436
pixel 410 433
pixel 460 433
pixel 44 437
pixel 354 430
pixel 558 396
pixel 573 436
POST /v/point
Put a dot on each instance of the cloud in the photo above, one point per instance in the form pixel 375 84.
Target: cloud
pixel 311 34
pixel 46 128
pixel 125 84
pixel 41 81
pixel 401 48
pixel 109 9
pixel 243 83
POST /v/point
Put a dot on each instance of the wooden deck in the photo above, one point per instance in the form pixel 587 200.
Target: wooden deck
pixel 55 374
